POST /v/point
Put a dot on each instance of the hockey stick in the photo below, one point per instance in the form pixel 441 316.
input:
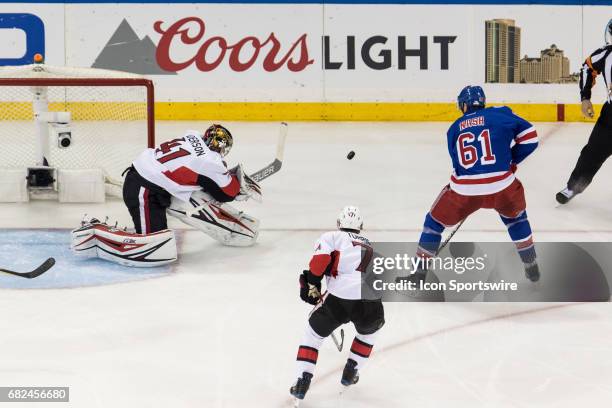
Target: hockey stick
pixel 44 267
pixel 275 166
pixel 339 344
pixel 450 236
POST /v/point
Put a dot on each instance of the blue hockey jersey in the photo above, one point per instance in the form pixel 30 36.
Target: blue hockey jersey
pixel 484 145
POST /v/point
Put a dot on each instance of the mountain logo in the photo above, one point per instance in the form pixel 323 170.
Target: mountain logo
pixel 126 52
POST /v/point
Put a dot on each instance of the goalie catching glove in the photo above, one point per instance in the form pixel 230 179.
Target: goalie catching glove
pixel 249 188
pixel 310 287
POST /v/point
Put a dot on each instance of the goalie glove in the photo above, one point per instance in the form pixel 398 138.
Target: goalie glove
pixel 310 287
pixel 249 188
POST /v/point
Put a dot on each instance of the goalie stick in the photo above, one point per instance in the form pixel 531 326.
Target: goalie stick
pixel 275 166
pixel 44 267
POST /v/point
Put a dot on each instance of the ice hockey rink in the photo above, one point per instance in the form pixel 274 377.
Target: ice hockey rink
pixel 221 327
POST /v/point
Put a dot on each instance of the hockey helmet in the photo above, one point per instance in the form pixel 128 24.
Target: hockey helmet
pixel 218 139
pixel 608 33
pixel 350 218
pixel 473 96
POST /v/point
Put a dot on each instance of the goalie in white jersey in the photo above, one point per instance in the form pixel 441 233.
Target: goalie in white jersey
pixel 179 168
pixel 338 257
pixel 188 178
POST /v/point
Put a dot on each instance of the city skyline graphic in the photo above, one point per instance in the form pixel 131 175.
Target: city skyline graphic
pixel 503 62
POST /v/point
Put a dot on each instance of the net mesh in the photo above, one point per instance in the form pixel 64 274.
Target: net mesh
pixel 108 123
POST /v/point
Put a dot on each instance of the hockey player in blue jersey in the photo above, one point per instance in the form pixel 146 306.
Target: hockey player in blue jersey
pixel 485 146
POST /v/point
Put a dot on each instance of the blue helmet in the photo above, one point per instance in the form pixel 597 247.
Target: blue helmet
pixel 473 96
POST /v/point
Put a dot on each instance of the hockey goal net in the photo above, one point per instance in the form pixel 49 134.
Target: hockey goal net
pixel 108 115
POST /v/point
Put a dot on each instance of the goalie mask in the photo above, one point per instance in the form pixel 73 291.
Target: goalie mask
pixel 218 139
pixel 608 33
pixel 350 218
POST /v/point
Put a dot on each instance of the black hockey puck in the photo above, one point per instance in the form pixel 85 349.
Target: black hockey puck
pixel 350 155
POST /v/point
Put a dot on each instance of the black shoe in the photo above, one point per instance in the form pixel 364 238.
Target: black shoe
pixel 564 196
pixel 300 388
pixel 350 375
pixel 532 271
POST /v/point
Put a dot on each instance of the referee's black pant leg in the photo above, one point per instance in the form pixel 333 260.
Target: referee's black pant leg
pixel 147 205
pixel 594 153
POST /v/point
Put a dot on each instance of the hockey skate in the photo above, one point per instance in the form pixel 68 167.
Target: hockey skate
pixel 532 271
pixel 300 388
pixel 565 195
pixel 350 375
pixel 414 278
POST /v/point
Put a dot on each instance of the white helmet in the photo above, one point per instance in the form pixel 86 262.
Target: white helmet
pixel 350 218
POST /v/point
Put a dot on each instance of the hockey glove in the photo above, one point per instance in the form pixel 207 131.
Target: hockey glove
pixel 310 287
pixel 249 188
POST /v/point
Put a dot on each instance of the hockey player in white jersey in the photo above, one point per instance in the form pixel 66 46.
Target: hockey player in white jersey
pixel 338 257
pixel 188 178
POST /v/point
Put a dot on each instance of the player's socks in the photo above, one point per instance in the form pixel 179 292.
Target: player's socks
pixel 520 232
pixel 308 352
pixel 532 271
pixel 301 386
pixel 358 357
pixel 565 195
pixel 430 237
pixel 429 242
pixel 350 375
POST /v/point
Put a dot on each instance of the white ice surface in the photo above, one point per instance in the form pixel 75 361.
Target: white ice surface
pixel 223 328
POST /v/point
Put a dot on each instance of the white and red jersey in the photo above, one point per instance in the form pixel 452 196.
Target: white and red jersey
pixel 184 165
pixel 339 253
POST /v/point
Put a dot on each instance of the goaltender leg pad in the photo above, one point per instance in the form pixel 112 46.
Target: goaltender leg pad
pixel 220 221
pixel 125 248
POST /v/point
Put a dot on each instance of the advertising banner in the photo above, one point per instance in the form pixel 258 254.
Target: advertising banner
pixel 323 53
pixel 341 52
